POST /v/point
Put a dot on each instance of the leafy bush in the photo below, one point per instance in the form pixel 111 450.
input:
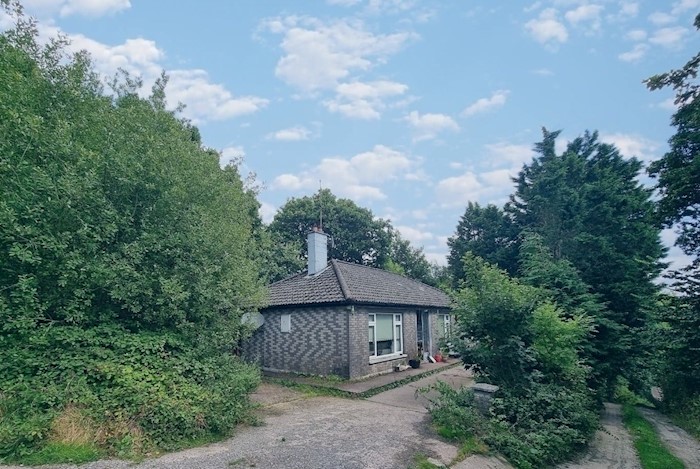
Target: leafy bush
pixel 128 259
pixel 513 336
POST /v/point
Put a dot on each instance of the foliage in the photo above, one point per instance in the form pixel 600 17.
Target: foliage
pixel 127 260
pixel 652 452
pixel 589 209
pixel 513 336
pixel 487 232
pixel 678 183
pixel 357 236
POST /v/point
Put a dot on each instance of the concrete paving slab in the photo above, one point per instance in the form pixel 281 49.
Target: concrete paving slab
pixel 408 396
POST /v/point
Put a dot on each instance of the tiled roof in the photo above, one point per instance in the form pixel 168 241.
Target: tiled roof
pixel 344 282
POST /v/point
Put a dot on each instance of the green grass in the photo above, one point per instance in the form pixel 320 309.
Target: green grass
pixel 55 453
pixel 652 453
pixel 420 461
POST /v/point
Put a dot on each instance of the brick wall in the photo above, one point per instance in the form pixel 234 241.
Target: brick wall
pixel 316 344
pixel 328 340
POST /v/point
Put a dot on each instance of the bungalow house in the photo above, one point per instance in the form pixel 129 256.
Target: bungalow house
pixel 346 319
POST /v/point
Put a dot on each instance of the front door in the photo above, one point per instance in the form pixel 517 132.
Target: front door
pixel 423 331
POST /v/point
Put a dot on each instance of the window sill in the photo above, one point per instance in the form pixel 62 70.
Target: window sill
pixel 386 358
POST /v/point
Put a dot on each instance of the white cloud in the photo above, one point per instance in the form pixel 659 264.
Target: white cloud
pixel 660 18
pixel 514 155
pixel 415 236
pixel 439 258
pixel 629 9
pixel 92 8
pixel 359 177
pixel 428 126
pixel 543 72
pixel 390 6
pixel 631 145
pixel 231 155
pixel 685 5
pixel 668 104
pixel 669 37
pixel 291 134
pixel 319 55
pixel 636 35
pixel 143 58
pixel 497 99
pixel 205 100
pixel 637 52
pixel 420 214
pixel 364 100
pixel 267 212
pixel 547 29
pixel 587 13
pixel 343 3
pixel 458 190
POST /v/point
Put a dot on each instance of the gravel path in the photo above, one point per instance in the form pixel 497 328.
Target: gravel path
pixel 684 446
pixel 612 446
pixel 318 433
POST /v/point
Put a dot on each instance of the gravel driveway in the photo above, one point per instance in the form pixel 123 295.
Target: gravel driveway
pixel 386 432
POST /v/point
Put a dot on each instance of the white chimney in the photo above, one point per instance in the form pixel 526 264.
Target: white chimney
pixel 317 242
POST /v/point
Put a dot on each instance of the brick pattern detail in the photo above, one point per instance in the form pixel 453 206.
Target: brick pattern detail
pixel 328 340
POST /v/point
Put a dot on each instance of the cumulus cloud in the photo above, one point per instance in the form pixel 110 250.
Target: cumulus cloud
pixel 669 37
pixel 628 10
pixel 631 145
pixel 205 100
pixel 359 177
pixel 587 15
pixel 496 100
pixel 231 155
pixel 685 5
pixel 92 8
pixel 636 35
pixel 416 236
pixel 343 3
pixel 513 155
pixel 428 126
pixel 320 55
pixel 267 212
pixel 635 54
pixel 364 100
pixel 660 18
pixel 547 29
pixel 291 134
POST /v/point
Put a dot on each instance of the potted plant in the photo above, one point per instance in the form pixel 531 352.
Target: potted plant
pixel 414 362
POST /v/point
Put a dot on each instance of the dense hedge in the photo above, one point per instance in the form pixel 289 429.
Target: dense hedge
pixel 126 262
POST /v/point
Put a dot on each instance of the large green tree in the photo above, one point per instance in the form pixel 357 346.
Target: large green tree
pixel 356 235
pixel 588 207
pixel 127 260
pixel 678 182
pixel 489 233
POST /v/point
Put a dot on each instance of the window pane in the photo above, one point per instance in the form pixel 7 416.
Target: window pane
pixel 371 340
pixel 398 338
pixel 384 327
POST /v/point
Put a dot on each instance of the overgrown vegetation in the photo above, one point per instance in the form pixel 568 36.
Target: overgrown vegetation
pixel 651 451
pixel 678 182
pixel 127 262
pixel 513 336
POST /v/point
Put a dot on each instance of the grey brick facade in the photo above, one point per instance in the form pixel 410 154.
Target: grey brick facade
pixel 329 340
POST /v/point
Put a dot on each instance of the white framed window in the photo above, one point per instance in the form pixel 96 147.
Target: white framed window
pixel 385 334
pixel 444 326
pixel 285 323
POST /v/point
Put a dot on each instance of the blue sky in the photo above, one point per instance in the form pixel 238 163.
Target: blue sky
pixel 410 108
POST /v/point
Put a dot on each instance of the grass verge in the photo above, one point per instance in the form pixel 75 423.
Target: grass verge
pixel 56 453
pixel 652 452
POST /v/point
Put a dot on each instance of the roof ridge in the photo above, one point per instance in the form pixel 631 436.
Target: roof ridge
pixel 341 280
pixel 355 264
